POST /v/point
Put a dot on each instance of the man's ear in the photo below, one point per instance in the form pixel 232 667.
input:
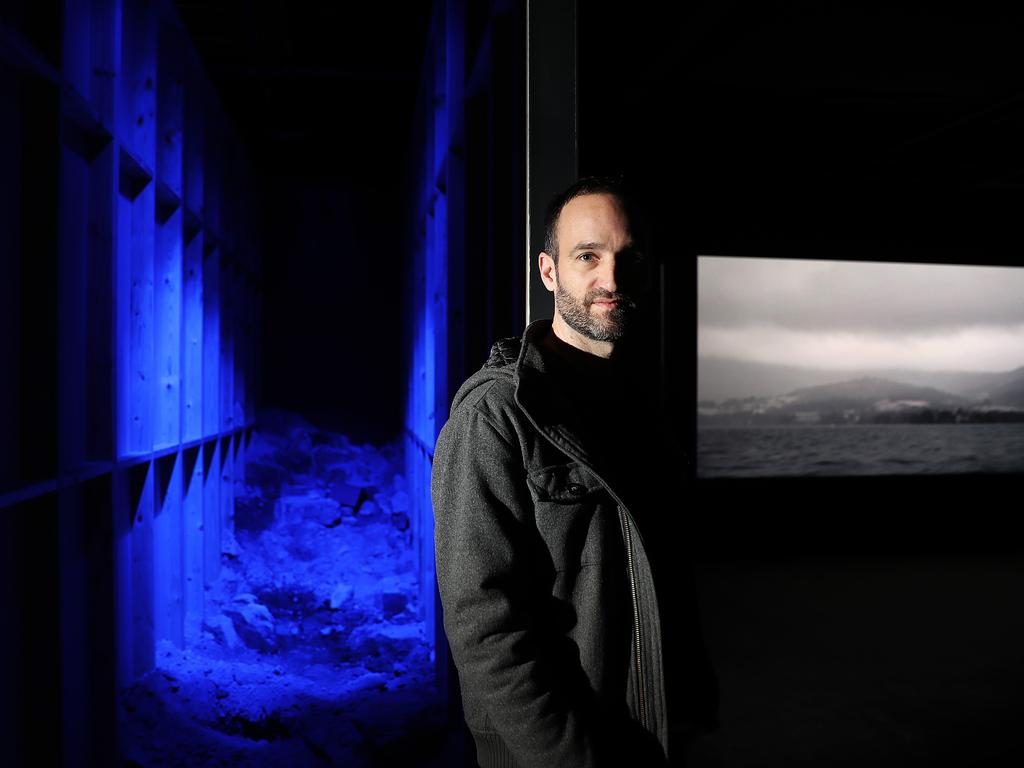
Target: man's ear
pixel 546 264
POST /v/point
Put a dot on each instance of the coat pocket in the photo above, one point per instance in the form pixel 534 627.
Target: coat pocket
pixel 572 510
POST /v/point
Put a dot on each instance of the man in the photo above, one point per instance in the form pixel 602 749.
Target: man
pixel 558 521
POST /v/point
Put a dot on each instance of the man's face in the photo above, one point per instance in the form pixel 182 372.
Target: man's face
pixel 598 276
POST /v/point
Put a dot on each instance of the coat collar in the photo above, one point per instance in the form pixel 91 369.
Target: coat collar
pixel 544 404
pixel 548 407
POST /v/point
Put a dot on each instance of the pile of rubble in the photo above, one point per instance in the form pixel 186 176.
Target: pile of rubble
pixel 311 641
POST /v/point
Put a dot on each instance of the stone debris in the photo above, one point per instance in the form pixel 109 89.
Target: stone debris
pixel 395 641
pixel 313 623
pixel 253 622
pixel 346 495
pixel 400 501
pixel 222 629
pixel 341 595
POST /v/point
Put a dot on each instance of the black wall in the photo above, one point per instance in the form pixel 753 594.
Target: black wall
pixel 323 97
pixel 847 617
pixel 877 131
pixel 333 305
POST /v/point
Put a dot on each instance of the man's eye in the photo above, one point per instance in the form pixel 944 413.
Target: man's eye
pixel 583 256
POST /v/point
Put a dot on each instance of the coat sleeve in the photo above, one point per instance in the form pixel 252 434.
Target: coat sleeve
pixel 489 573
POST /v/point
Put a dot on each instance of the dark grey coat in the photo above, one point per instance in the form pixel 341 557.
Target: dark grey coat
pixel 545 578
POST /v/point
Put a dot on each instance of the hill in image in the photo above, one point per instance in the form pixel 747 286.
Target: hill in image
pixel 720 379
pixel 863 400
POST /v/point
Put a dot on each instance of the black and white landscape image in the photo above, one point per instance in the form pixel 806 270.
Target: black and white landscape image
pixel 809 367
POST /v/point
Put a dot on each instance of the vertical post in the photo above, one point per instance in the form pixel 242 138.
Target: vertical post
pixel 143 504
pixel 552 151
pixel 121 526
pixel 436 299
pixel 168 569
pixel 74 623
pixel 170 218
pixel 193 237
pixel 192 525
pixel 73 251
pixel 226 480
pixel 211 415
pixel 450 313
pixel 137 132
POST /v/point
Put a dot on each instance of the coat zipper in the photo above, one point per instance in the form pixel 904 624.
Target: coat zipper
pixel 638 637
pixel 630 567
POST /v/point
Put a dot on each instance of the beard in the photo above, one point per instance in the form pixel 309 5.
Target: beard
pixel 612 325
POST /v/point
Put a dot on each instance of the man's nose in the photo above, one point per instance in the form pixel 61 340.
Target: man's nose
pixel 608 278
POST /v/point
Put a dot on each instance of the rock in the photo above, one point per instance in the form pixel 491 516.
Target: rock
pixel 308 506
pixel 341 594
pixel 253 513
pixel 400 501
pixel 367 508
pixel 230 580
pixel 335 475
pixel 295 457
pixel 400 520
pixel 321 437
pixel 346 495
pixel 267 476
pixel 285 630
pixel 273 421
pixel 360 480
pixel 393 603
pixel 395 641
pixel 228 544
pixel 254 624
pixel 222 629
pixel 326 457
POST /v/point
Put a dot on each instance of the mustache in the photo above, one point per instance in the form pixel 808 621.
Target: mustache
pixel 623 299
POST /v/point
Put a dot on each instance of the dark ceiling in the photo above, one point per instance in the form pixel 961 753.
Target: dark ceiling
pixel 314 88
pixel 894 121
pixel 908 82
pixel 887 118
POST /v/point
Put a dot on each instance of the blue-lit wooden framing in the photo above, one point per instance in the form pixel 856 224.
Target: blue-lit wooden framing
pixel 436 260
pixel 126 387
pixel 465 285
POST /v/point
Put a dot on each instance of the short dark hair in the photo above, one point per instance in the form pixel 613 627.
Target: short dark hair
pixel 616 186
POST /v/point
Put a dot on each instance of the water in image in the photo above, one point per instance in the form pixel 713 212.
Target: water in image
pixel 868 449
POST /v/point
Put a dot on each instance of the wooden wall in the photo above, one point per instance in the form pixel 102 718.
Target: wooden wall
pixel 465 285
pixel 128 310
pixel 435 253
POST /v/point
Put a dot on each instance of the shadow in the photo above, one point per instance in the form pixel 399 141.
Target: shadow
pixel 138 475
pixel 190 457
pixel 164 468
pixel 209 448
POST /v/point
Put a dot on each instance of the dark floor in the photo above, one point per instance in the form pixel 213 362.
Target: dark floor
pixel 876 662
pixel 904 662
pixel 915 661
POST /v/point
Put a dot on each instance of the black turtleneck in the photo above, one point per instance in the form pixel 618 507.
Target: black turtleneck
pixel 608 407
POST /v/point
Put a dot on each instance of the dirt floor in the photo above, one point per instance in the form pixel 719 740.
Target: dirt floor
pixel 311 650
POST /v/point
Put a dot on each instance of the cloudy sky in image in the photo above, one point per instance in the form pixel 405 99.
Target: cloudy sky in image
pixel 855 315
